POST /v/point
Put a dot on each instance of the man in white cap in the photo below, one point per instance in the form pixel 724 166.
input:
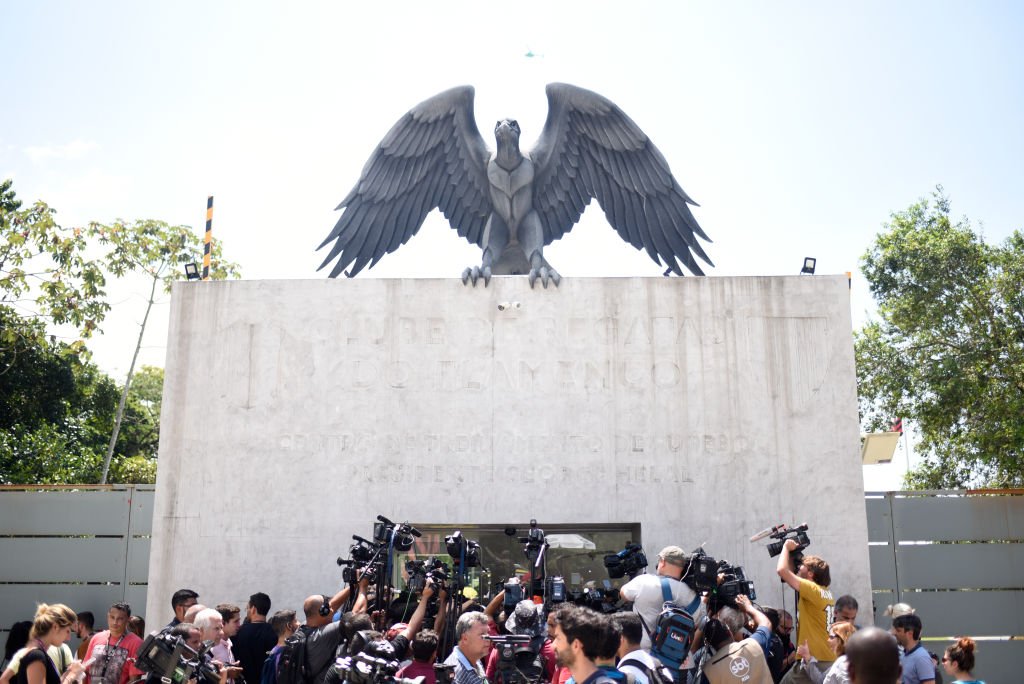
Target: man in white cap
pixel 648 595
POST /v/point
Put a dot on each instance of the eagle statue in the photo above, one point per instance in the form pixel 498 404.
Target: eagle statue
pixel 509 203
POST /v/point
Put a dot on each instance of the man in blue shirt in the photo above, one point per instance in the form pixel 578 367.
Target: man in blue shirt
pixel 917 664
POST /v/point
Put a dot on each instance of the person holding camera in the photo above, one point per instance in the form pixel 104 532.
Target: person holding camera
pixel 731 656
pixel 646 595
pixel 815 609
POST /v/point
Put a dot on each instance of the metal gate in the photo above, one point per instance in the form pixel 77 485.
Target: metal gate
pixel 957 557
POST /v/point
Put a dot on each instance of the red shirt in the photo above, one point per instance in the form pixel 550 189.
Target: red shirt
pixel 417 669
pixel 117 666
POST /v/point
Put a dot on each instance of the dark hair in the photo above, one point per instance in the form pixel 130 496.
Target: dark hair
pixel 424 645
pixel 17 638
pixel 819 570
pixel 962 653
pixel 281 620
pixel 773 617
pixel 911 622
pixel 630 626
pixel 228 611
pixel 86 618
pixel 181 597
pixel 587 626
pixel 609 647
pixel 137 625
pixel 123 607
pixel 716 633
pixel 355 622
pixel 873 655
pixel 260 602
pixel 846 601
pixel 183 629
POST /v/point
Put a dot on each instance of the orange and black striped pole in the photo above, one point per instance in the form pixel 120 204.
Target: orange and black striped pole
pixel 208 238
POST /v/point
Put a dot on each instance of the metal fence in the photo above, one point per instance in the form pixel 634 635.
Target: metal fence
pixel 957 557
pixel 87 547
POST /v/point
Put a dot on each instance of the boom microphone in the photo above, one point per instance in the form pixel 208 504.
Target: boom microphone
pixel 767 531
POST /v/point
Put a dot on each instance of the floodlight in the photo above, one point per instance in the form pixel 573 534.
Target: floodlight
pixel 192 271
pixel 809 264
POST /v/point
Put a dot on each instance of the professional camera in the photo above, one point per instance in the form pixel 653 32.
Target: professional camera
pixel 459 548
pixel 444 674
pixel 515 591
pixel 784 532
pixel 734 583
pixel 419 571
pixel 511 651
pixel 533 542
pixel 398 535
pixel 629 561
pixel 554 589
pixel 701 572
pixel 364 557
pixel 170 660
pixel 375 664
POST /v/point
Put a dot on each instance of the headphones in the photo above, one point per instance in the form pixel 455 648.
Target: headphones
pixel 325 607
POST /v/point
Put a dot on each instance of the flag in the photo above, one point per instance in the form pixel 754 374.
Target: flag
pixel 897 426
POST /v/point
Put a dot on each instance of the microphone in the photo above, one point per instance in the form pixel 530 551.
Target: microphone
pixel 414 532
pixel 767 531
pixel 384 520
pixel 359 539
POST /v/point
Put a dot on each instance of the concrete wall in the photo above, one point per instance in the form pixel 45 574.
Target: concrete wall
pixel 703 408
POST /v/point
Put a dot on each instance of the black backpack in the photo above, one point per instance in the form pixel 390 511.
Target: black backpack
pixel 293 663
pixel 659 675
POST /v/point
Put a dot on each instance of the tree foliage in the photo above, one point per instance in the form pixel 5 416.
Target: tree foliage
pixel 45 272
pixel 947 350
pixel 160 251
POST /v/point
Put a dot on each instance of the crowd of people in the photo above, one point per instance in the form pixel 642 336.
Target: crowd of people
pixel 734 641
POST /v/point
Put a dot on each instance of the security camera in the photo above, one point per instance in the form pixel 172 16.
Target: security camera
pixel 517 305
pixel 503 305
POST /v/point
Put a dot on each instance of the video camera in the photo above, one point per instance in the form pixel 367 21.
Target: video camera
pixel 365 668
pixel 364 557
pixel 419 571
pixel 734 583
pixel 398 535
pixel 629 561
pixel 458 547
pixel 169 659
pixel 784 532
pixel 534 542
pixel 701 572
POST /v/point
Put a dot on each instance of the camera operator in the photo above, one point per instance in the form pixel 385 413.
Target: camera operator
pixel 645 591
pixel 814 609
pixel 733 657
pixel 323 635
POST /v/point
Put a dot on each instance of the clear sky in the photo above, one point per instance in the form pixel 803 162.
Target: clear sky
pixel 797 126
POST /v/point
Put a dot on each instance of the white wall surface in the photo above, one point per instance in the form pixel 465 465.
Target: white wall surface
pixel 704 409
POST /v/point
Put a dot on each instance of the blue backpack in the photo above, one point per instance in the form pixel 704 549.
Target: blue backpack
pixel 673 632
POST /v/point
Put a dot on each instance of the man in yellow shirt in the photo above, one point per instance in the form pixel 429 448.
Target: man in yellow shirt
pixel 815 609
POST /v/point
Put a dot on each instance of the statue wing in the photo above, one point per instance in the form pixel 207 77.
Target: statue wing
pixel 433 157
pixel 590 148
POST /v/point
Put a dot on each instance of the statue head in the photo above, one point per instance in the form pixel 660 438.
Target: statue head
pixel 507 131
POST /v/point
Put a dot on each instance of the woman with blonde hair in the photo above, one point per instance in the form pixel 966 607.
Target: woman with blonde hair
pixel 51 627
pixel 959 661
pixel 838 634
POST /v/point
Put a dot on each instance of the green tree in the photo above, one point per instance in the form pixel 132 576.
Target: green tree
pixel 160 252
pixel 947 350
pixel 45 273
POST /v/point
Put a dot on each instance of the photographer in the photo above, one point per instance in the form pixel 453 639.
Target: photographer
pixel 323 636
pixel 645 591
pixel 731 656
pixel 814 609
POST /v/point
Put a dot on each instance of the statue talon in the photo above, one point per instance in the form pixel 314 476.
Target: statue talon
pixel 556 277
pixel 473 274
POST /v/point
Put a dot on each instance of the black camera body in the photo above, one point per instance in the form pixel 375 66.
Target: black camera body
pixel 734 583
pixel 169 659
pixel 376 664
pixel 798 534
pixel 462 550
pixel 419 571
pixel 629 561
pixel 701 572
